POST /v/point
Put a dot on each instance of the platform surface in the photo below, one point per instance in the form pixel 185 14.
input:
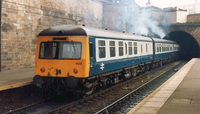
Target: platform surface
pixel 179 95
pixel 16 78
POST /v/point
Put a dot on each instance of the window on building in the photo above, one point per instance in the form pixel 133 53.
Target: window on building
pixel 112 48
pixel 102 49
pixel 135 48
pixel 121 49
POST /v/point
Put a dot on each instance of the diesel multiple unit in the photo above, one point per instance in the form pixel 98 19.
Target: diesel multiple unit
pixel 79 57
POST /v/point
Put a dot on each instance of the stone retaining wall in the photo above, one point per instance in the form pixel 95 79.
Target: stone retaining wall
pixel 22 20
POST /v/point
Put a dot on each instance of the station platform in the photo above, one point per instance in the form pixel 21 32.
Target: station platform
pixel 16 78
pixel 179 95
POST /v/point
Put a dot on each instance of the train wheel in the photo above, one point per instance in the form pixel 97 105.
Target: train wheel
pixel 47 92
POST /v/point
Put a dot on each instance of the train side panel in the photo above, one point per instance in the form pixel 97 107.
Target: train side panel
pixel 106 63
pixel 165 50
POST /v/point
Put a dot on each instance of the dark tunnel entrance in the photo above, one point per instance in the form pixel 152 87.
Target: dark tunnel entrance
pixel 189 47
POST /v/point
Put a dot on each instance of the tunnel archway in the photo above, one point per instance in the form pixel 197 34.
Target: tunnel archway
pixel 189 48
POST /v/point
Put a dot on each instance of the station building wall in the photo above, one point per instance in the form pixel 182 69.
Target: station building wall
pixel 22 20
pixel 193 18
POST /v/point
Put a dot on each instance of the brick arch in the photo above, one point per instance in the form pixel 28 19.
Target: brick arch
pixel 192 29
pixel 188 36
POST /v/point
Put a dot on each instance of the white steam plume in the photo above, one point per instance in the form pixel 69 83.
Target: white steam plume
pixel 141 21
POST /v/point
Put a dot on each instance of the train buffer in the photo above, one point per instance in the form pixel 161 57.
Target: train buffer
pixel 16 78
pixel 179 95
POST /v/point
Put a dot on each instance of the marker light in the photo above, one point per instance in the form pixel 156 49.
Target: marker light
pixel 42 69
pixel 75 71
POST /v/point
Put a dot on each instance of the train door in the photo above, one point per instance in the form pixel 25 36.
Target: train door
pixel 92 56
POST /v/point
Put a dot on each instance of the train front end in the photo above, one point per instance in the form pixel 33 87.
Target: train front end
pixel 61 60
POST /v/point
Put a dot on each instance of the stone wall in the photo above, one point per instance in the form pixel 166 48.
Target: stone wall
pixel 112 17
pixel 22 20
pixel 194 18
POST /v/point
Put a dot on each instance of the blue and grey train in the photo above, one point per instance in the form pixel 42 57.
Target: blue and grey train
pixel 86 57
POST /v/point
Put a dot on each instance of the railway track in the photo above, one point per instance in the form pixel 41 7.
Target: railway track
pixel 148 86
pixel 99 102
pixel 23 109
pixel 91 104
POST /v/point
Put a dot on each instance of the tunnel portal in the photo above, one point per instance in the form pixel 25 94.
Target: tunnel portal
pixel 189 47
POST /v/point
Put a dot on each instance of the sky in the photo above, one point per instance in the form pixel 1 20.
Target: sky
pixel 166 3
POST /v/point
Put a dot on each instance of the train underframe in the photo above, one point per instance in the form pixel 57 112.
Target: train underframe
pixel 56 86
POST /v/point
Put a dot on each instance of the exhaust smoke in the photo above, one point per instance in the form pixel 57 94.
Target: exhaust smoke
pixel 141 21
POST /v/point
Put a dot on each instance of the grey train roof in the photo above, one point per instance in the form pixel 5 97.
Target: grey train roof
pixel 163 40
pixel 78 30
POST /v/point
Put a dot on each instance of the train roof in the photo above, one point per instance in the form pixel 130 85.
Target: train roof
pixel 157 40
pixel 78 30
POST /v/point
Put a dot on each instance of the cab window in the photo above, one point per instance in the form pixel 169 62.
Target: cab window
pixel 70 50
pixel 48 50
pixel 60 50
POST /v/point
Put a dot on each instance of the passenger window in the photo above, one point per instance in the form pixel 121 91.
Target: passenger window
pixel 130 49
pixel 126 47
pixel 102 49
pixel 135 48
pixel 163 49
pixel 170 48
pixel 91 49
pixel 157 49
pixel 112 48
pixel 121 49
pixel 141 48
pixel 146 48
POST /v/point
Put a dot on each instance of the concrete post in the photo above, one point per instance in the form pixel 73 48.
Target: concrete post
pixel 0 32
